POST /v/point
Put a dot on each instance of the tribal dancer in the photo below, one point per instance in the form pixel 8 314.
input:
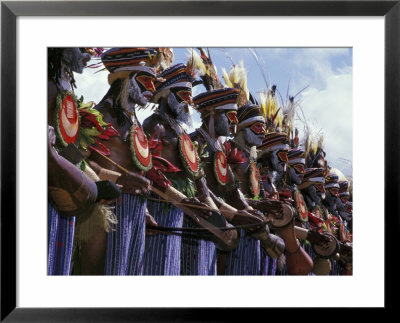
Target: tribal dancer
pixel 72 193
pixel 176 157
pixel 274 156
pixel 250 133
pixel 131 78
pixel 218 110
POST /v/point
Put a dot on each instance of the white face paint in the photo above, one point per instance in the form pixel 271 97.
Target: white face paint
pixel 251 138
pixel 180 109
pixel 222 126
pixel 276 164
pixel 294 177
pixel 136 94
pixel 75 59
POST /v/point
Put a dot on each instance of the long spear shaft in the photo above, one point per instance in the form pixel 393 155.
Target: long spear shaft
pixel 185 208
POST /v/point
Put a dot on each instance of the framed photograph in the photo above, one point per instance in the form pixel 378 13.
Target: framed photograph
pixel 370 29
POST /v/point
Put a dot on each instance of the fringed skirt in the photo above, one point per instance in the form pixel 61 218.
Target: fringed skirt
pixel 60 241
pixel 308 249
pixel 336 268
pixel 198 257
pixel 245 258
pixel 162 255
pixel 125 246
pixel 268 264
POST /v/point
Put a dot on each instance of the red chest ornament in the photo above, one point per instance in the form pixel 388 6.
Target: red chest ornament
pixel 189 156
pixel 139 147
pixel 221 167
pixel 300 206
pixel 318 212
pixel 67 118
pixel 254 179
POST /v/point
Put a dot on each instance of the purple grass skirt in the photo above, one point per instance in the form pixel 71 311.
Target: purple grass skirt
pixel 245 258
pixel 162 255
pixel 125 245
pixel 198 257
pixel 268 264
pixel 60 240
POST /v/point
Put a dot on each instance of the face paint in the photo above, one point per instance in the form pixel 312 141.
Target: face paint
pixel 282 155
pixel 183 94
pixel 334 191
pixel 75 59
pixel 294 177
pixel 251 138
pixel 137 93
pixel 299 168
pixel 312 193
pixel 344 199
pixel 277 163
pixel 258 128
pixel 179 109
pixel 146 81
pixel 232 117
pixel 222 125
pixel 320 187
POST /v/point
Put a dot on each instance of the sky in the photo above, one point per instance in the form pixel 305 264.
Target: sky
pixel 321 79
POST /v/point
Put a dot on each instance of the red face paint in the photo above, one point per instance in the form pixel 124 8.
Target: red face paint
pixel 282 155
pixel 231 115
pixel 320 187
pixel 299 168
pixel 147 82
pixel 258 128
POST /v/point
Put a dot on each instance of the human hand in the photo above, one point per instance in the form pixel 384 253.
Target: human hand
pixel 150 221
pixel 133 183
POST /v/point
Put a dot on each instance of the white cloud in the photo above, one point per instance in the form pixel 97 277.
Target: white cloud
pixel 330 110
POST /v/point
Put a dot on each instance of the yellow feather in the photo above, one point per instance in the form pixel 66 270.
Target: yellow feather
pixel 315 146
pixel 263 99
pixel 196 62
pixel 226 78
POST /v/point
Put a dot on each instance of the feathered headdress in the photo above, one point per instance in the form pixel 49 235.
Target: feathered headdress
pixel 237 78
pixel 313 143
pixel 204 67
pixel 164 57
pixel 272 114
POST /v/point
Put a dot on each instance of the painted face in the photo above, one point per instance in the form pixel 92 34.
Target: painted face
pixel 294 177
pixel 251 138
pixel 334 191
pixel 282 155
pixel 141 88
pixel 182 94
pixel 278 160
pixel 75 59
pixel 179 106
pixel 319 187
pixel 223 125
pixel 330 201
pixel 312 194
pixel 344 199
pixel 258 128
pixel 232 116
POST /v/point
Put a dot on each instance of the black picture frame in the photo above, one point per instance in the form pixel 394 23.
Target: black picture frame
pixel 10 10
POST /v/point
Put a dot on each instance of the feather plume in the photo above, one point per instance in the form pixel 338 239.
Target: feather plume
pixel 164 58
pixel 238 79
pixel 263 103
pixel 195 62
pixel 226 78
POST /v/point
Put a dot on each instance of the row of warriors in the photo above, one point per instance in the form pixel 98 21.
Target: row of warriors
pixel 237 196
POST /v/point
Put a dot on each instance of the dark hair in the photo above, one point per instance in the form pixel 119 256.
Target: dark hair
pixel 54 59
